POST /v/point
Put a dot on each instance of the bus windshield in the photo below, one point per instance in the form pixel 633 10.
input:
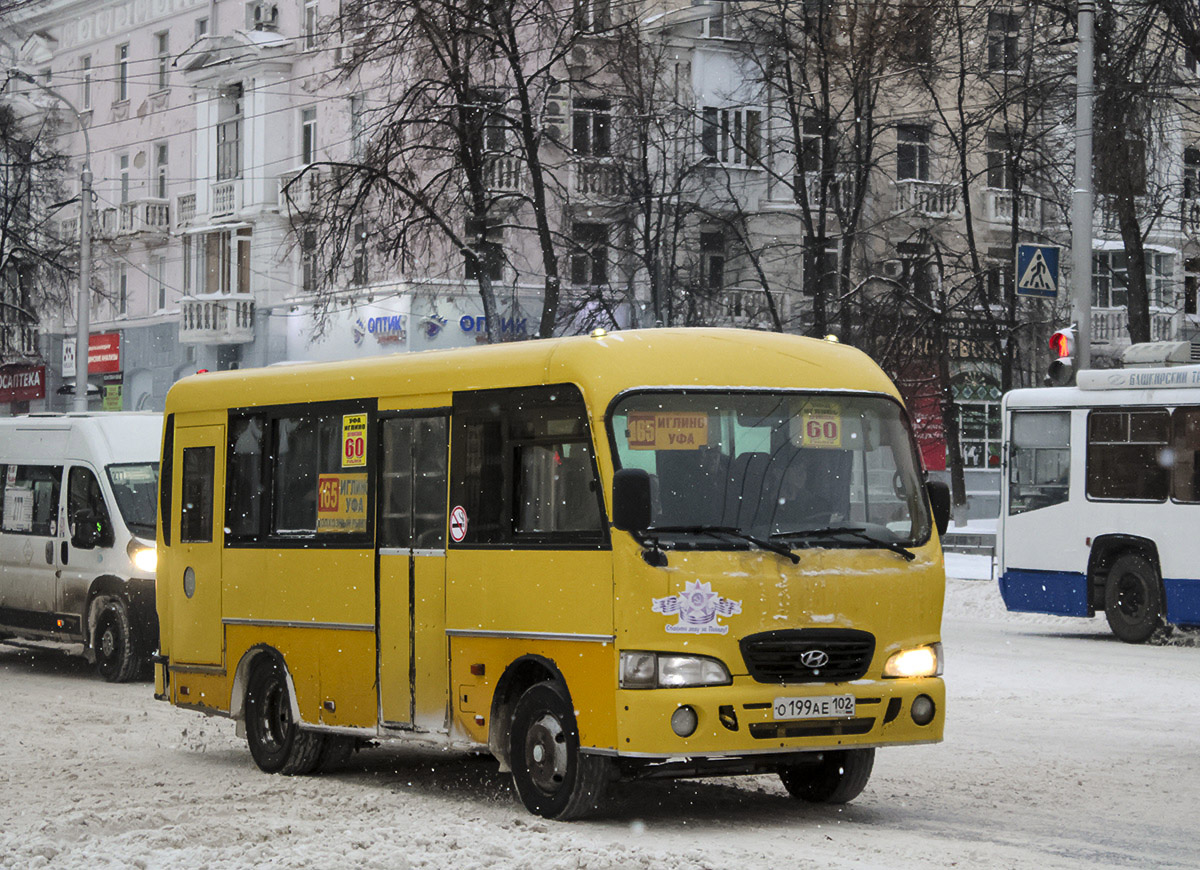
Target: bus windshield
pixel 135 485
pixel 820 469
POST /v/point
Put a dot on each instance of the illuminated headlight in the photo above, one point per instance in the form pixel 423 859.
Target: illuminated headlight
pixel 647 670
pixel 921 661
pixel 144 558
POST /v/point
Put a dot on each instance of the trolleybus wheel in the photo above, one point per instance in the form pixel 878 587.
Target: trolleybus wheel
pixel 116 658
pixel 1133 600
pixel 276 741
pixel 553 778
pixel 835 777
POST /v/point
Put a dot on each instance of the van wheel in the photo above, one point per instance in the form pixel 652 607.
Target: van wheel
pixel 116 658
pixel 553 778
pixel 277 742
pixel 1133 600
pixel 837 777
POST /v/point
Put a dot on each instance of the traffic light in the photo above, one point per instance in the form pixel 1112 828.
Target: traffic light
pixel 1061 371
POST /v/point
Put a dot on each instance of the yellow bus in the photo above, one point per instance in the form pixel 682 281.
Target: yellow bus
pixel 625 555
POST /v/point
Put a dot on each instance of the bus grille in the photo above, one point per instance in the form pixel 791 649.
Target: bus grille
pixel 776 656
pixel 819 728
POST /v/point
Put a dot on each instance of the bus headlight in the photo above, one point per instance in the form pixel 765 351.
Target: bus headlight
pixel 144 558
pixel 648 670
pixel 921 661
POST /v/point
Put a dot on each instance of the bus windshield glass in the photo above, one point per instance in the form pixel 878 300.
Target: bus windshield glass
pixel 135 485
pixel 800 469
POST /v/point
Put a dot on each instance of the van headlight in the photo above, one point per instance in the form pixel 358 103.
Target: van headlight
pixel 144 558
pixel 919 661
pixel 650 670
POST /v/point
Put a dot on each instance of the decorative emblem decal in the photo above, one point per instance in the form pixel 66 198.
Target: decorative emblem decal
pixel 699 608
pixel 814 658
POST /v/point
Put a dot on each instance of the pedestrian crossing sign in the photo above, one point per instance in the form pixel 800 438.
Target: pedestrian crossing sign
pixel 1037 271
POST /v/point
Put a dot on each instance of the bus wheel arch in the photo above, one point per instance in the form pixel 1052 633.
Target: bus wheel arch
pixel 278 742
pixel 1134 602
pixel 518 677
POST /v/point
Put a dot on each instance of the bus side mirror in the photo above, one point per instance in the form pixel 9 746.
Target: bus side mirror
pixel 631 499
pixel 939 500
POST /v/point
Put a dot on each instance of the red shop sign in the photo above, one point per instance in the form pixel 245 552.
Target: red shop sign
pixel 104 353
pixel 22 384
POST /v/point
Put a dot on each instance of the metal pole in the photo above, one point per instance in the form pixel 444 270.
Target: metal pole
pixel 83 302
pixel 1083 197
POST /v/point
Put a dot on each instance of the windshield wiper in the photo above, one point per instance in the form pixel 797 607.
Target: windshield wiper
pixel 770 546
pixel 861 534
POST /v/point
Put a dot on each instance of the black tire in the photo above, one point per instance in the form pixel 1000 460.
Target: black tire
pixel 835 777
pixel 277 742
pixel 117 659
pixel 553 778
pixel 1133 599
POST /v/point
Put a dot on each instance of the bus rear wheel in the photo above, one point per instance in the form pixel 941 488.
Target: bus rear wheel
pixel 277 742
pixel 116 656
pixel 1133 600
pixel 836 777
pixel 553 778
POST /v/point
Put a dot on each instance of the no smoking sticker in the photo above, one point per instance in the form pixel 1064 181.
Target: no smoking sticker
pixel 458 524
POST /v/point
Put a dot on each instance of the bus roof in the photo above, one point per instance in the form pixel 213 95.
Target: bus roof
pixel 603 365
pixel 1108 397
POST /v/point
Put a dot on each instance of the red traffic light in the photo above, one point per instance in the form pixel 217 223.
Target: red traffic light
pixel 1062 343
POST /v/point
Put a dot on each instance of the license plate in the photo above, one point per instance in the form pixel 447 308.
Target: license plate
pixel 818 707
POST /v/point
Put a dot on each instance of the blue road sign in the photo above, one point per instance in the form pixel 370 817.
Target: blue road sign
pixel 1037 271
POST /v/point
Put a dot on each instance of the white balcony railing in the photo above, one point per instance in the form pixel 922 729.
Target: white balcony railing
pixel 503 173
pixel 216 319
pixel 1111 326
pixel 934 199
pixel 185 209
pixel 1000 208
pixel 300 189
pixel 840 191
pixel 597 178
pixel 226 198
pixel 151 216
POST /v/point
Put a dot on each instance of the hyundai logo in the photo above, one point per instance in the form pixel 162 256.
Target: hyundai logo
pixel 814 658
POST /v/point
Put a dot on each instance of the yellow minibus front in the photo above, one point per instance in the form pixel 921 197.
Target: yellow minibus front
pixel 639 554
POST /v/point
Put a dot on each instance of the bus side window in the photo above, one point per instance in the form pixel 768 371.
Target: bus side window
pixel 196 519
pixel 1185 447
pixel 1124 452
pixel 31 499
pixel 246 488
pixel 1039 461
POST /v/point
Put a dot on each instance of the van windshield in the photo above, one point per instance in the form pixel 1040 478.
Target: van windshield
pixel 135 485
pixel 798 469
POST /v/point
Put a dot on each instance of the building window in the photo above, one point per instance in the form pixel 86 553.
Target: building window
pixel 1191 284
pixel 999 277
pixel 229 133
pixel 308 136
pixel 1004 30
pixel 85 74
pixel 201 28
pixel 360 263
pixel 123 177
pixel 999 162
pixel 712 260
pixel 486 238
pixel 1191 173
pixel 825 266
pixel 187 263
pixel 158 281
pixel 162 52
pixel 225 262
pixel 311 23
pixel 591 121
pixel 356 125
pixel 812 137
pixel 160 170
pixel 308 260
pixel 914 32
pixel 122 72
pixel 1110 279
pixel 591 15
pixel 589 255
pixel 120 289
pixel 732 136
pixel 912 152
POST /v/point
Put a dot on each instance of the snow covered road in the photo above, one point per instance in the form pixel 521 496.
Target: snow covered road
pixel 1064 749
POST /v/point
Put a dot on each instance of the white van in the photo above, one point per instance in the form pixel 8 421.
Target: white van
pixel 77 556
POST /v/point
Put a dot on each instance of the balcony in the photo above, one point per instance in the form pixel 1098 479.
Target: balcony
pixel 18 342
pixel 1110 326
pixel 185 209
pixel 150 218
pixel 300 189
pixel 1000 208
pixel 503 173
pixel 597 179
pixel 217 319
pixel 839 193
pixel 934 199
pixel 226 198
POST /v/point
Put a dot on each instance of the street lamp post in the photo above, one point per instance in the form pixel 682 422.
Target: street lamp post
pixel 83 303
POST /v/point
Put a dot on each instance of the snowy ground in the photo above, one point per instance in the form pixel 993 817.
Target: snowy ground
pixel 1064 749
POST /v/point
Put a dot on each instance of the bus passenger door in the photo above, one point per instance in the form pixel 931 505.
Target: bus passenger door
pixel 197 636
pixel 413 656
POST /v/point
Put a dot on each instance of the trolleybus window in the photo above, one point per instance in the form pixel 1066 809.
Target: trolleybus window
pixel 1125 457
pixel 1040 460
pixel 1185 458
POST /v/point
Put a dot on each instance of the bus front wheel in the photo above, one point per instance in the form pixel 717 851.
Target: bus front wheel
pixel 836 777
pixel 276 741
pixel 1133 601
pixel 553 778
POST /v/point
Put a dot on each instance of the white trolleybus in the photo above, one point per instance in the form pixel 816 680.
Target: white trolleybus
pixel 1101 511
